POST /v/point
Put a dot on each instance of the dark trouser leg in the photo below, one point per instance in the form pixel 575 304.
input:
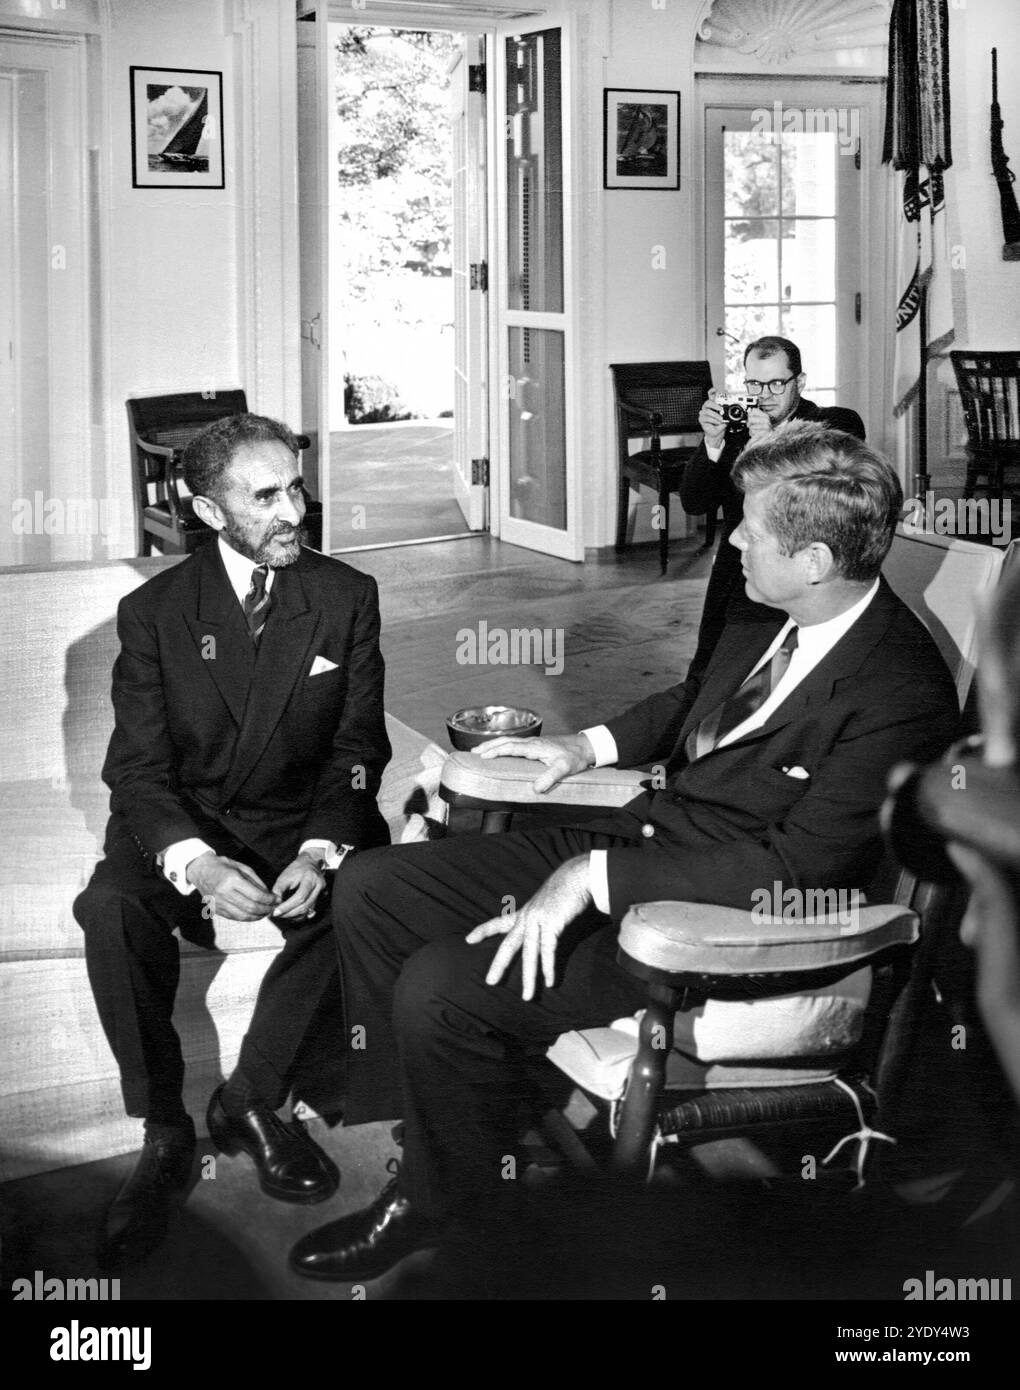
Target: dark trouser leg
pixel 294 996
pixel 128 916
pixel 462 1044
pixel 439 1045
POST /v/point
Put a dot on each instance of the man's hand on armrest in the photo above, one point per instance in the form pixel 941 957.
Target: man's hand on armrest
pixel 563 755
pixel 234 890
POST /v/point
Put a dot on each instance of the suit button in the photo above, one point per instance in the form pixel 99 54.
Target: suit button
pixel 648 830
pixel 227 811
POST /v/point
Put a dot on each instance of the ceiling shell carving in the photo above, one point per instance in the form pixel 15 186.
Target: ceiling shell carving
pixel 775 33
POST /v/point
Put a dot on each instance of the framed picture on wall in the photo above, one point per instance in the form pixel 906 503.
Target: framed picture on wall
pixel 641 135
pixel 176 128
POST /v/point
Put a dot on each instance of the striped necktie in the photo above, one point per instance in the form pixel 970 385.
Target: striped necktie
pixel 750 696
pixel 256 603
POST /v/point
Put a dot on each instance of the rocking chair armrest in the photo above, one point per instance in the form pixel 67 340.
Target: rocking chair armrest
pixel 666 938
pixel 493 784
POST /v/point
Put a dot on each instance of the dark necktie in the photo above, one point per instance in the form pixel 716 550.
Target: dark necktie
pixel 743 702
pixel 256 603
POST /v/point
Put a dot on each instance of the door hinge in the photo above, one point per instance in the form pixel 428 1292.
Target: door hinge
pixel 479 472
pixel 476 77
pixel 480 276
pixel 857 307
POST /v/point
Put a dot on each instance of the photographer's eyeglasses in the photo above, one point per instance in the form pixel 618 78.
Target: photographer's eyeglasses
pixel 775 387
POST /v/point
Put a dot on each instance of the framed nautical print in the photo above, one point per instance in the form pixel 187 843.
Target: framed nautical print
pixel 176 128
pixel 641 139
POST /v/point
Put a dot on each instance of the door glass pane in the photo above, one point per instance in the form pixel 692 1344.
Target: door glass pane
pixel 752 260
pixel 809 174
pixel 809 259
pixel 534 172
pixel 780 242
pixel 538 454
pixel 752 175
pixel 813 328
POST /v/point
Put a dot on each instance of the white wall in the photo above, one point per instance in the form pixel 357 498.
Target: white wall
pixel 986 288
pixel 191 288
pixel 201 286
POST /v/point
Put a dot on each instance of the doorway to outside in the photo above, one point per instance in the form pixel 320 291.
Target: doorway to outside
pixel 794 233
pixel 394 287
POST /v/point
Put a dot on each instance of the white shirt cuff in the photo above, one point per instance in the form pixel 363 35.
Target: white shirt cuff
pixel 598 879
pixel 603 745
pixel 176 860
pixel 715 451
pixel 324 850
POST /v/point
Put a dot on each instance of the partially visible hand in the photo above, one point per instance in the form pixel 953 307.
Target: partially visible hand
pixel 303 881
pixel 759 426
pixel 713 423
pixel 563 755
pixel 234 890
pixel 535 928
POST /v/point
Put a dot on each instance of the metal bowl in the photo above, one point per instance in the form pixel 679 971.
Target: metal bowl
pixel 470 727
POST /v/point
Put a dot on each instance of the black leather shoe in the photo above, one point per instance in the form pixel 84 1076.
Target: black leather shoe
pixel 290 1165
pixel 137 1220
pixel 366 1243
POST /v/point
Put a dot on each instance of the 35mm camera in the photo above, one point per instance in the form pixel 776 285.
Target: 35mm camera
pixel 734 406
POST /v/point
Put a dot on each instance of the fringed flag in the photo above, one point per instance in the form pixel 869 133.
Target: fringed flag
pixel 918 145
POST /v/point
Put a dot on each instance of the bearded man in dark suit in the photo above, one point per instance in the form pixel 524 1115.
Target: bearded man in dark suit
pixel 246 757
pixel 775 767
pixel 452 989
pixel 775 377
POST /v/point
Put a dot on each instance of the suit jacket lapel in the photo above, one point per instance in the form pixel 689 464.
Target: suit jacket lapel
pixel 841 663
pixel 221 637
pixel 282 660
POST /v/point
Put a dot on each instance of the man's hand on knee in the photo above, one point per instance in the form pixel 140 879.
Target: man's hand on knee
pixel 235 890
pixel 535 928
pixel 563 755
pixel 298 887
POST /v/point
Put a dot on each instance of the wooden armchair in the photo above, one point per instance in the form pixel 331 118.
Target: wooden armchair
pixel 856 1040
pixel 989 385
pixel 160 428
pixel 654 399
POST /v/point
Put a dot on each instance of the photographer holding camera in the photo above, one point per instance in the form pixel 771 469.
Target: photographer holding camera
pixel 773 384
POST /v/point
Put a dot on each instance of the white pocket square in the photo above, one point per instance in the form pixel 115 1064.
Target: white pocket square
pixel 799 772
pixel 320 664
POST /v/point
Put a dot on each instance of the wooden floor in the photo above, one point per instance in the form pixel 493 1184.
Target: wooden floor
pixel 618 631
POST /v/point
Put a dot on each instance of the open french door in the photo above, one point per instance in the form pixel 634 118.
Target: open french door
pixel 315 111
pixel 535 402
pixel 470 284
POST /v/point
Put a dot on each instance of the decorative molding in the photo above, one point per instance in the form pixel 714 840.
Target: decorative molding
pixel 71 17
pixel 781 33
pixel 245 166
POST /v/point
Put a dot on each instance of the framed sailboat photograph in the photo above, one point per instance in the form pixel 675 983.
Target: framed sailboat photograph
pixel 176 128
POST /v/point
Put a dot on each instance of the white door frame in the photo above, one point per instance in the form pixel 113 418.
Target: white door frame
pixel 469 125
pixel 567 544
pixel 66 485
pixel 315 117
pixel 750 93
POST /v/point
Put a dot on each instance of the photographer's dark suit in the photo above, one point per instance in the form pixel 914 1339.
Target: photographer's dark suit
pixel 443 1048
pixel 245 748
pixel 706 486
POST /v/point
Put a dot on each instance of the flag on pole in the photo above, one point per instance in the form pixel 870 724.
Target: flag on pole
pixel 922 266
pixel 917 144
